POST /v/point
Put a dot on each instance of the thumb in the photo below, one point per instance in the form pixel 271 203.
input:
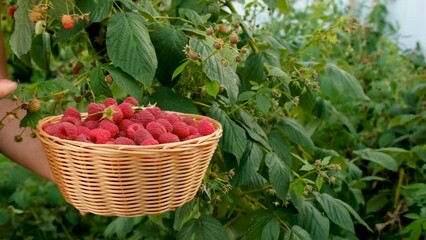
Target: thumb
pixel 6 87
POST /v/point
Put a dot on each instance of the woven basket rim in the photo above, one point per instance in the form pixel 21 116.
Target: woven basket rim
pixel 121 147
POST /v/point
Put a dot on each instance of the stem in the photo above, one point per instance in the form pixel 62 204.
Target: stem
pixel 398 187
pixel 175 18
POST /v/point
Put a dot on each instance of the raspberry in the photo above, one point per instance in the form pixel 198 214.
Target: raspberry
pixel 99 135
pixel 166 124
pixel 124 124
pixel 131 130
pixel 233 38
pixel 144 117
pixel 192 136
pixel 51 129
pixel 95 111
pixel 113 113
pixel 205 127
pixel 122 133
pixel 110 126
pixel 67 21
pixel 127 110
pixel 156 129
pixel 140 135
pixel 72 112
pixel 72 120
pixel 180 129
pixel 35 15
pixel 132 101
pixel 11 11
pixel 109 101
pixel 68 129
pixel 189 121
pixel 83 130
pixel 155 111
pixel 109 79
pixel 34 105
pixel 149 141
pixel 91 124
pixel 168 138
pixel 173 117
pixel 124 141
pixel 77 67
pixel 82 138
pixel 46 125
pixel 193 130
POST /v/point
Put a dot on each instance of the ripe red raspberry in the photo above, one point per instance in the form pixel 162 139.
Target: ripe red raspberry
pixel 110 101
pixel 144 117
pixel 149 141
pixel 11 11
pixel 83 130
pixel 113 113
pixel 72 120
pixel 124 141
pixel 168 138
pixel 140 135
pixel 180 129
pixel 100 136
pixel 166 124
pixel 110 126
pixel 155 111
pixel 83 138
pixel 91 124
pixel 95 111
pixel 67 21
pixel 173 117
pixel 192 136
pixel 127 110
pixel 205 127
pixel 51 129
pixel 131 130
pixel 132 101
pixel 193 130
pixel 124 124
pixel 77 67
pixel 46 125
pixel 156 129
pixel 68 129
pixel 72 112
pixel 189 121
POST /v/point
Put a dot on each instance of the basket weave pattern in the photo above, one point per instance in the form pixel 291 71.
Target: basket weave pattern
pixel 125 180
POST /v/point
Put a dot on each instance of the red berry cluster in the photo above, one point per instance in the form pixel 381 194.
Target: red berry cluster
pixel 113 123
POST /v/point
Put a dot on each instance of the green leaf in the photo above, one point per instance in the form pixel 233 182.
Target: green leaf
pixel 253 69
pixel 271 230
pixel 31 119
pixel 214 69
pixel 121 227
pixel 314 222
pixel 212 88
pixel 40 50
pixel 279 174
pixel 4 217
pixel 280 146
pixel 354 214
pixel 166 99
pixel 126 82
pixel 183 214
pixel 338 85
pixel 246 175
pixel 295 132
pixel 297 233
pixel 191 15
pixel 21 39
pixel 244 96
pixel 129 46
pixel 253 225
pixel 168 43
pixel 263 103
pixel 337 213
pixel 98 84
pixel 252 128
pixel 234 138
pixel 180 69
pixel 101 11
pixel 380 158
pixel 376 203
pixel 205 227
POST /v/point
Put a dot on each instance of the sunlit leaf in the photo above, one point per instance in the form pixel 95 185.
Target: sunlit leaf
pixel 380 158
pixel 337 213
pixel 21 38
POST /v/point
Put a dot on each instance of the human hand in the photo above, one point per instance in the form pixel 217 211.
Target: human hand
pixel 7 87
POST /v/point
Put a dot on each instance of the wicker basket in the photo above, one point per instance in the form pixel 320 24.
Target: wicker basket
pixel 125 180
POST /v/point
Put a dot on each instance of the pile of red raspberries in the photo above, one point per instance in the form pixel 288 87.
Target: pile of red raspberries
pixel 125 124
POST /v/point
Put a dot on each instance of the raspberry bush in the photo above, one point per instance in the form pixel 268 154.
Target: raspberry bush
pixel 323 115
